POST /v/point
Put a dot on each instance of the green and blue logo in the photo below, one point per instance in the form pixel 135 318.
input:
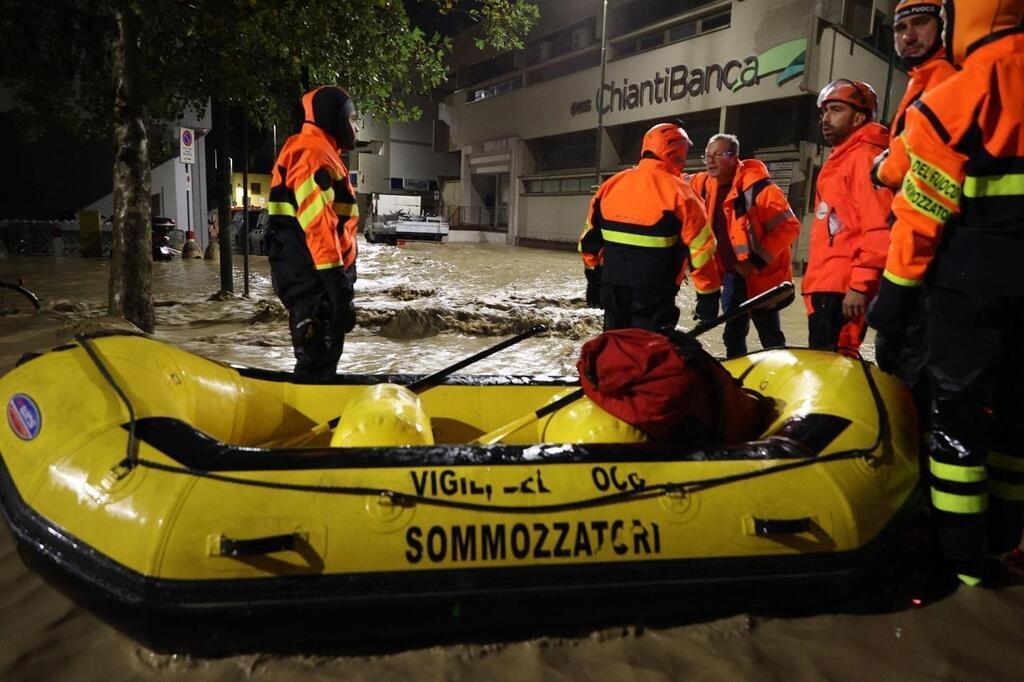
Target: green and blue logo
pixel 786 59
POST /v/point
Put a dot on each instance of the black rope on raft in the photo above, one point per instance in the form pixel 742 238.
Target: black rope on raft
pixel 131 458
pixel 407 499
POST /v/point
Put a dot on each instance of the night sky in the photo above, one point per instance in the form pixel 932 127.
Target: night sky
pixel 54 177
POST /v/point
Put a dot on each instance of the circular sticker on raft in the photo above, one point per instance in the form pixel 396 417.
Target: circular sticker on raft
pixel 822 211
pixel 24 417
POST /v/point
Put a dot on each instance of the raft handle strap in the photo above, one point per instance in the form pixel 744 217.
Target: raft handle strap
pixel 259 546
pixel 131 458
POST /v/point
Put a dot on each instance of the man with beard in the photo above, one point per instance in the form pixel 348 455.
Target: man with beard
pixel 959 237
pixel 311 238
pixel 917 33
pixel 850 233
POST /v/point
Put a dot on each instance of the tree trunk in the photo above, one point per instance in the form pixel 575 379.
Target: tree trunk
pixel 131 267
pixel 224 189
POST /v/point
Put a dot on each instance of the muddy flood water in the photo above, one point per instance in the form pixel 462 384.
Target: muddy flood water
pixel 420 308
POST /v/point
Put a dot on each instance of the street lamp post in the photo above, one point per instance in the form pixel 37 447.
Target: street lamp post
pixel 599 100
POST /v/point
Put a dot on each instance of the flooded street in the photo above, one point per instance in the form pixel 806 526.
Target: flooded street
pixel 422 307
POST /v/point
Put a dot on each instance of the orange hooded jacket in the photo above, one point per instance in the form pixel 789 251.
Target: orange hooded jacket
pixel 310 190
pixel 965 188
pixel 644 225
pixel 850 233
pixel 762 227
pixel 923 78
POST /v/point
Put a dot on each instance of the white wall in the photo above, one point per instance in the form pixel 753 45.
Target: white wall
pixel 168 180
pixel 420 161
pixel 552 218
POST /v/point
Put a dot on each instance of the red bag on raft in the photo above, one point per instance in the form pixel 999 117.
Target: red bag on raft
pixel 668 386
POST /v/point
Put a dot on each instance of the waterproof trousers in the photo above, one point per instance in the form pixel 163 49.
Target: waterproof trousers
pixel 906 358
pixel 766 322
pixel 316 339
pixel 976 453
pixel 630 307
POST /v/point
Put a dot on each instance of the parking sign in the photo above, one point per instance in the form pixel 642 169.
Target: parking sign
pixel 186 138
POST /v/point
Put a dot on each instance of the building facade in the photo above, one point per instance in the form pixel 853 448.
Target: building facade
pixel 529 125
pixel 403 158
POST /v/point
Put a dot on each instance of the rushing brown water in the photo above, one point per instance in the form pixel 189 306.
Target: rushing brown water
pixel 422 307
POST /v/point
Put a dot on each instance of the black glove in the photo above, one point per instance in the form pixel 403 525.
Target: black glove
pixel 707 307
pixel 593 286
pixel 893 309
pixel 339 290
pixel 347 320
pixel 888 349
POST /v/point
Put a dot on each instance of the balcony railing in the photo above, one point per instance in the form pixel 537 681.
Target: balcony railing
pixel 493 218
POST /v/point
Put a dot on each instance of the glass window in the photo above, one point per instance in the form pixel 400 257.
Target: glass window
pixel 687 30
pixel 624 49
pixel 533 186
pixel 716 21
pixel 570 185
pixel 563 152
pixel 486 70
pixel 630 15
pixel 565 67
pixel 652 40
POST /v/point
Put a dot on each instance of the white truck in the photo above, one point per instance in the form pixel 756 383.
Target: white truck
pixel 400 216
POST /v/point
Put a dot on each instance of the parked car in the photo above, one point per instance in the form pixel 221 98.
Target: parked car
pixel 258 220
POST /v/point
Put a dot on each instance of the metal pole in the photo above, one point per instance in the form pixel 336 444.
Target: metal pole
pixel 188 201
pixel 245 205
pixel 888 86
pixel 599 100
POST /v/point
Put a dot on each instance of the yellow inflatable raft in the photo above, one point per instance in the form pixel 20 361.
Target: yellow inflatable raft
pixel 145 481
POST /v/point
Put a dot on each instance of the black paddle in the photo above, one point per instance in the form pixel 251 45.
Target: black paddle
pixel 780 296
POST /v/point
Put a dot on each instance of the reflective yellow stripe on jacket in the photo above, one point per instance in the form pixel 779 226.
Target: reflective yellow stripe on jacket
pixel 1009 185
pixel 646 241
pixel 702 248
pixel 280 208
pixel 346 210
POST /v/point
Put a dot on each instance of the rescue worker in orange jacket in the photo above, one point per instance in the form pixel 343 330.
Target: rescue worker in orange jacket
pixel 755 229
pixel 959 235
pixel 311 237
pixel 917 33
pixel 643 227
pixel 850 233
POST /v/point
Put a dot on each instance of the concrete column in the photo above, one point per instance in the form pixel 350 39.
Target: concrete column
pixel 609 153
pixel 515 158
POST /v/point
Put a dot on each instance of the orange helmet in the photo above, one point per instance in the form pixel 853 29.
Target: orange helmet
pixel 969 22
pixel 857 94
pixel 668 142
